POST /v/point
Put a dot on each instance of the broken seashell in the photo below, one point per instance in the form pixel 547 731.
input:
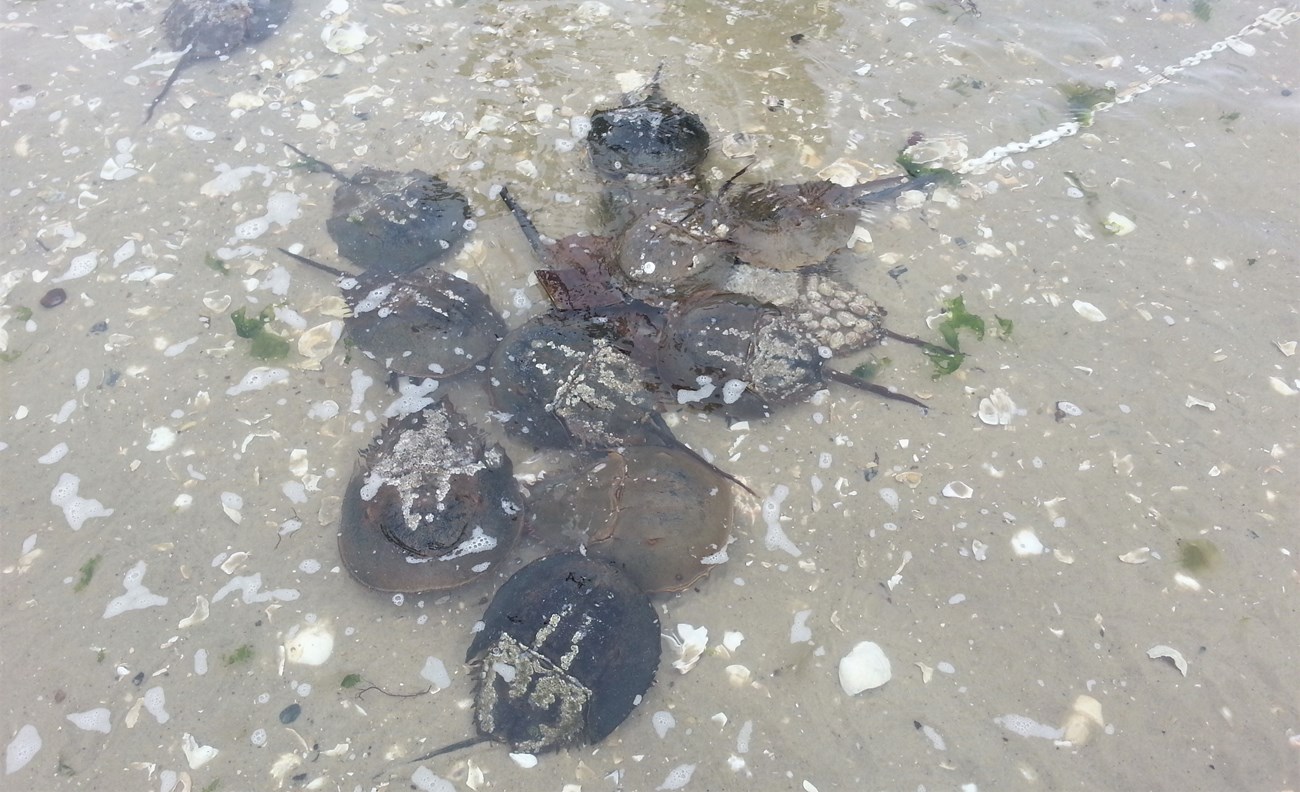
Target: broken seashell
pixel 997 408
pixel 1089 311
pixel 1162 652
pixel 1117 224
pixel 693 641
pixel 1138 556
pixel 957 489
pixel 310 646
pixel 1083 722
pixel 864 668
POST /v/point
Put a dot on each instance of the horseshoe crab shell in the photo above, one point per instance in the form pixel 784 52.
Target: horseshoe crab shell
pixel 743 357
pixel 569 645
pixel 213 28
pixel 661 515
pixel 397 222
pixel 427 323
pixel 431 507
pixel 653 137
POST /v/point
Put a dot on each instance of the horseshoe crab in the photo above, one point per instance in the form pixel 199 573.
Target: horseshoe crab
pixel 792 226
pixel 431 506
pixel 651 138
pixel 213 28
pixel 661 515
pixel 569 646
pixel 744 357
pixel 394 222
pixel 427 323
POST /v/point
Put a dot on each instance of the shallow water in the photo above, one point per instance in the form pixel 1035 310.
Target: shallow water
pixel 1185 437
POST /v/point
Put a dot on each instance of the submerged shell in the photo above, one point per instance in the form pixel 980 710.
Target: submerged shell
pixel 569 645
pixel 661 515
pixel 654 137
pixel 427 323
pixel 431 506
pixel 397 222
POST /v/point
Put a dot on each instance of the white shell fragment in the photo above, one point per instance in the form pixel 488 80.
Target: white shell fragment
pixel 1084 721
pixel 1117 224
pixel 1089 311
pixel 310 646
pixel 1162 652
pixel 1138 556
pixel 997 409
pixel 197 755
pixel 693 641
pixel 1192 401
pixel 1026 543
pixel 864 668
pixel 345 38
pixel 958 489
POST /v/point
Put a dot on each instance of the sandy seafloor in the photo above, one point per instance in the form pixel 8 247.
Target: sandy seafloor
pixel 1185 438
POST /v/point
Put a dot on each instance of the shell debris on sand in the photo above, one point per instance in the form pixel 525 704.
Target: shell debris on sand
pixel 864 668
pixel 311 645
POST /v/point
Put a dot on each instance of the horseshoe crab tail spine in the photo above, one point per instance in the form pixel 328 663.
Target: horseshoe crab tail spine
pixel 184 61
pixel 338 273
pixel 535 238
pixel 879 390
pixel 890 188
pixel 315 164
pixel 446 749
pixel 670 440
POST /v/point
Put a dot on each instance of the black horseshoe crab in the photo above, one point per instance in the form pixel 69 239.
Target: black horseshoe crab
pixel 431 506
pixel 653 137
pixel 394 222
pixel 569 646
pixel 213 28
pixel 426 323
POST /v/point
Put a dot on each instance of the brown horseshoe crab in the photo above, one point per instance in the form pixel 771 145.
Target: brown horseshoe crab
pixel 427 323
pixel 213 28
pixel 792 226
pixel 394 222
pixel 431 507
pixel 661 515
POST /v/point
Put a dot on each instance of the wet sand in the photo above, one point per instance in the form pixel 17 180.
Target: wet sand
pixel 1156 508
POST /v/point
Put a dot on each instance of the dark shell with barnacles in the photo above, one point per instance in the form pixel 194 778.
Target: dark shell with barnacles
pixel 564 381
pixel 737 355
pixel 653 137
pixel 431 507
pixel 660 514
pixel 397 222
pixel 213 28
pixel 569 646
pixel 427 323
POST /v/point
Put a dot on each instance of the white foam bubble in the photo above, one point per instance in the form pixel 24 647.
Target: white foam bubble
pixel 98 719
pixel 76 510
pixel 258 378
pixel 22 748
